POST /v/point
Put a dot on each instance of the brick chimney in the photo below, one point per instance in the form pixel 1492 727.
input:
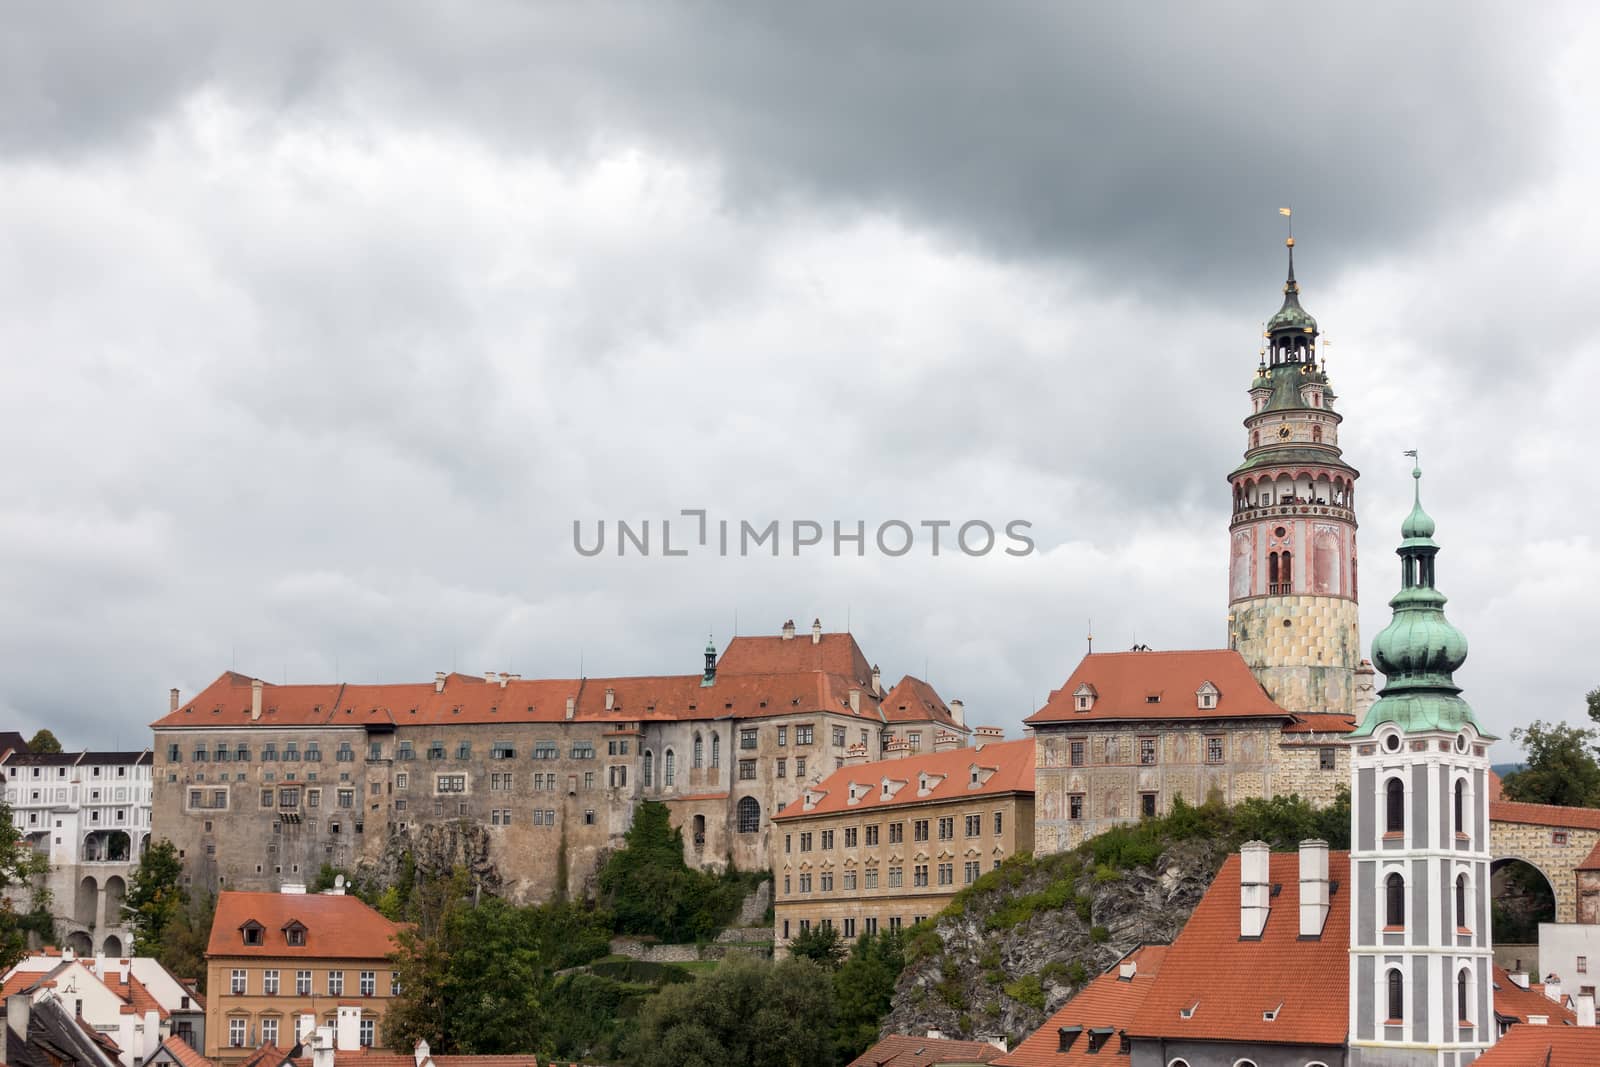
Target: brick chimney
pixel 1255 888
pixel 1314 888
pixel 438 681
pixel 788 630
pixel 172 700
pixel 255 699
pixel 816 631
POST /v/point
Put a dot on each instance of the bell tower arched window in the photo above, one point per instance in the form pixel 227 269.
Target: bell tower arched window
pixel 1461 902
pixel 1394 902
pixel 1462 989
pixel 1394 807
pixel 1397 997
pixel 1461 806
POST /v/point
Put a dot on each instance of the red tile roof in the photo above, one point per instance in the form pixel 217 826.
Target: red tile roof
pixel 1320 723
pixel 1109 1001
pixel 1592 863
pixel 902 1050
pixel 913 700
pixel 1124 684
pixel 1004 767
pixel 833 654
pixel 1230 983
pixel 1495 790
pixel 337 927
pixel 181 1051
pixel 1544 815
pixel 1530 1045
pixel 1514 1002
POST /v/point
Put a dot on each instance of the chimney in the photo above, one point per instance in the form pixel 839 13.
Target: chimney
pixel 788 630
pixel 172 699
pixel 438 681
pixel 572 705
pixel 944 741
pixel 855 701
pixel 611 698
pixel 1128 969
pixel 422 1052
pixel 1255 888
pixel 897 748
pixel 504 678
pixel 1314 888
pixel 855 754
pixel 816 631
pixel 349 1027
pixel 1585 1009
pixel 1519 979
pixel 19 1007
pixel 958 712
pixel 1552 986
pixel 255 699
pixel 989 735
pixel 936 1035
pixel 306 1027
pixel 322 1047
pixel 877 683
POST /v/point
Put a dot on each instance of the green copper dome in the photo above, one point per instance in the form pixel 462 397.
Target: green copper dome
pixel 1291 316
pixel 1419 651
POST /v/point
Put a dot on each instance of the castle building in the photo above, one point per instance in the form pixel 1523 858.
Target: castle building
pixel 1292 564
pixel 1420 942
pixel 89 813
pixel 523 781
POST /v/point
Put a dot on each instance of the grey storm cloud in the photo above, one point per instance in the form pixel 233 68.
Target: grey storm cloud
pixel 322 323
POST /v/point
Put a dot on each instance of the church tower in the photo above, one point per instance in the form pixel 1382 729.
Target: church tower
pixel 1421 987
pixel 1292 609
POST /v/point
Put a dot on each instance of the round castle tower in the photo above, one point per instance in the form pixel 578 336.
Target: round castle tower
pixel 1292 574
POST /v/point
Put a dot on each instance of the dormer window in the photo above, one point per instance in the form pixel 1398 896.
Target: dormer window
pixel 1206 697
pixel 1067 1035
pixel 254 933
pixel 1083 697
pixel 1188 1013
pixel 1152 698
pixel 295 934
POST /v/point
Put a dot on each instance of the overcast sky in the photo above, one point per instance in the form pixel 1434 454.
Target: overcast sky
pixel 321 324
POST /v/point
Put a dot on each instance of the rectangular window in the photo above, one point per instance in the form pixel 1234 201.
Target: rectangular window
pixel 947 828
pixel 583 750
pixel 783 735
pixel 849 880
pixel 897 877
pixel 1147 751
pixel 546 750
pixel 288 798
pixel 588 817
pixel 1147 804
pixel 747 770
pixel 894 923
pixel 802 735
pixel 947 874
pixel 451 783
pixel 872 927
pixel 827 840
pixel 622 777
pixel 266 798
pixel 920 876
pixel 402 780
pixel 871 878
pixel 375 750
pixel 313 798
pixel 838 737
pixel 827 881
pixel 236 1033
pixel 1214 749
pixel 1076 753
pixel 236 985
pixel 367 1032
pixel 973 870
pixel 464 750
pixel 436 750
pixel 783 767
pixel 1583 964
pixel 915 738
pixel 335 983
pixel 1327 759
pixel 269 983
pixel 503 750
pixel 369 983
pixel 999 823
pixel 850 928
pixel 805 840
pixel 344 753
pixel 805 882
pixel 302 983
pixel 799 766
pixel 897 833
pixel 850 836
pixel 269 1031
pixel 747 739
pixel 1075 806
pixel 347 798
pixel 974 825
pixel 872 834
pixel 919 830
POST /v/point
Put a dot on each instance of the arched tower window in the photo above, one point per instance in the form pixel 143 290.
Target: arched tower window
pixel 1461 806
pixel 1316 434
pixel 649 768
pixel 1461 902
pixel 1255 439
pixel 1463 988
pixel 699 752
pixel 1394 896
pixel 1397 997
pixel 716 750
pixel 1395 807
pixel 669 775
pixel 749 815
pixel 1286 572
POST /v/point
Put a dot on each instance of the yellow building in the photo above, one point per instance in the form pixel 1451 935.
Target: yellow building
pixel 278 962
pixel 879 846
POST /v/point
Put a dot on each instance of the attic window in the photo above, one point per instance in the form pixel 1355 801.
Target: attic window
pixel 1098 1037
pixel 1083 703
pixel 1188 1013
pixel 1271 1014
pixel 1067 1035
pixel 1152 698
pixel 295 934
pixel 253 933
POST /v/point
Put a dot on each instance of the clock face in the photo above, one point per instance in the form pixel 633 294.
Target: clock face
pixel 1284 432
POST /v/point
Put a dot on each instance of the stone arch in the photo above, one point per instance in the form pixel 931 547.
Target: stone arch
pixel 116 891
pixel 1522 895
pixel 112 946
pixel 1325 568
pixel 79 942
pixel 86 901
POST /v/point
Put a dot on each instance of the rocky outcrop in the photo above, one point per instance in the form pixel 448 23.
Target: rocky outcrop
pixel 429 849
pixel 1010 952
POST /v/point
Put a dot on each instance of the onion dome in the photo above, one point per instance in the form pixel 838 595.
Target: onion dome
pixel 1291 316
pixel 1419 651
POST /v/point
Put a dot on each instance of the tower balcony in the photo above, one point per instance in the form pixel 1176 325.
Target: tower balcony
pixel 1287 509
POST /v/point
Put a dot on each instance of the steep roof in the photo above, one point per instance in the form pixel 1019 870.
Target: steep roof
pixel 337 927
pixel 1544 815
pixel 1530 1045
pixel 1003 767
pixel 181 1051
pixel 1107 1003
pixel 904 1050
pixel 913 700
pixel 11 741
pixel 832 654
pixel 1160 685
pixel 1513 1002
pixel 1227 983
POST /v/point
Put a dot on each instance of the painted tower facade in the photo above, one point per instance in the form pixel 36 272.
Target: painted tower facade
pixel 1421 992
pixel 1292 571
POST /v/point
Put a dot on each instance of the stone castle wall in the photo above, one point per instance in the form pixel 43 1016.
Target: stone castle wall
pixel 1304 649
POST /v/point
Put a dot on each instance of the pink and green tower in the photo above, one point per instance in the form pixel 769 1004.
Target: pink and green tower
pixel 1292 611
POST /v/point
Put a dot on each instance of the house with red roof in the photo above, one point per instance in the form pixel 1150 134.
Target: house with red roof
pixel 1130 732
pixel 882 845
pixel 291 777
pixel 1092 1027
pixel 134 1003
pixel 902 1050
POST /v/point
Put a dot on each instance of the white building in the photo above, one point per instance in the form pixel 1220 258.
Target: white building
pixel 1569 955
pixel 89 812
pixel 136 1002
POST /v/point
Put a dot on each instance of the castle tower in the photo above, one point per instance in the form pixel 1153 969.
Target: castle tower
pixel 1420 947
pixel 1292 573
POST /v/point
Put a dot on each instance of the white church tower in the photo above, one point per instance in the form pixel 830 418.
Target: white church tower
pixel 1421 979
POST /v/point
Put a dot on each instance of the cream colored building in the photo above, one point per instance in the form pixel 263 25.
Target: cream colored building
pixel 880 846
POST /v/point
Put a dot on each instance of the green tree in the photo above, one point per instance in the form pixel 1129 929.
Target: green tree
pixel 863 989
pixel 747 1011
pixel 1561 767
pixel 21 866
pixel 1592 699
pixel 156 898
pixel 650 891
pixel 44 741
pixel 492 980
pixel 821 945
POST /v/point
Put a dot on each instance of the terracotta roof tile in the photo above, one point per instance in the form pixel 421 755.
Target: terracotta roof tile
pixel 1514 1002
pixel 833 654
pixel 1320 723
pixel 913 700
pixel 1530 1045
pixel 337 927
pixel 1160 685
pixel 184 1053
pixel 1003 767
pixel 1229 983
pixel 1544 815
pixel 902 1050
pixel 1109 1001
